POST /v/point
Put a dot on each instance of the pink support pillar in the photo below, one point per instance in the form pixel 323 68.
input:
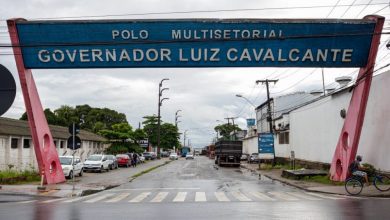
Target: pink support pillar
pixel 348 142
pixel 45 151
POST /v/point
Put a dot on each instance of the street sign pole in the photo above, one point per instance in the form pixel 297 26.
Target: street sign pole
pixel 73 141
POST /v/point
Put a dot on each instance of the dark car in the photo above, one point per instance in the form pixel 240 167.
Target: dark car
pixel 149 155
pixel 113 162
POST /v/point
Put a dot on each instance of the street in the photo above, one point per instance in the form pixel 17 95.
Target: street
pixel 197 189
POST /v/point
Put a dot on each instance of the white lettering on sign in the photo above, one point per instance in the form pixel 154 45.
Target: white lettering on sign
pixel 183 34
pixel 195 55
pixel 129 34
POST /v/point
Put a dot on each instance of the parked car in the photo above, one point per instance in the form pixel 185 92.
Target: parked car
pixel 113 162
pixel 244 157
pixel 165 154
pixel 189 156
pixel 149 155
pixel 123 160
pixel 254 158
pixel 67 167
pixel 141 158
pixel 173 156
pixel 97 162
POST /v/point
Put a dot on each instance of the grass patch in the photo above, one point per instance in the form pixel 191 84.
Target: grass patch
pixel 18 177
pixel 149 170
pixel 266 166
pixel 321 179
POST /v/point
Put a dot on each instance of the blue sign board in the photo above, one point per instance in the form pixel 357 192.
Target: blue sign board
pixel 266 143
pixel 195 43
pixel 250 122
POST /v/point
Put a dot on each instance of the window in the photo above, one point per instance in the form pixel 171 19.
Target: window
pixel 26 143
pixel 284 138
pixel 55 144
pixel 14 143
pixel 62 144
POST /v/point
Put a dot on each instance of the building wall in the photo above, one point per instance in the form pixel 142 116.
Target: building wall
pixel 281 149
pixel 315 128
pixel 249 145
pixel 22 158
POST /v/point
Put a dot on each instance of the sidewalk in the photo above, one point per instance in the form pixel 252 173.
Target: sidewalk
pixel 276 175
pixel 66 189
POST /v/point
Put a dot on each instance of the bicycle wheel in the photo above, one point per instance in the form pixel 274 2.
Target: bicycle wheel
pixel 353 186
pixel 382 183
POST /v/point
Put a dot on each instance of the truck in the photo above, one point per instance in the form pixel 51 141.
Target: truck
pixel 228 153
pixel 184 151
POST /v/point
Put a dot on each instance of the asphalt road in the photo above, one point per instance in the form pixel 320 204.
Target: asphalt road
pixel 196 189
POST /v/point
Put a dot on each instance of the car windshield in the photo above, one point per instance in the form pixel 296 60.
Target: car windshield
pixel 173 154
pixel 95 158
pixel 65 160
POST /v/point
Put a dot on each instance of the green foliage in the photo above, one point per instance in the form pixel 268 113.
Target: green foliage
pixel 16 177
pixel 321 179
pixel 169 135
pixel 95 119
pixel 369 168
pixel 224 130
pixel 150 127
pixel 123 147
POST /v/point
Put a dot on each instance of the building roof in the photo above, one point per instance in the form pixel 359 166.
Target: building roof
pixel 15 127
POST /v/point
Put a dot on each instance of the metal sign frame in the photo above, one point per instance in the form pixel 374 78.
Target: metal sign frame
pixel 46 153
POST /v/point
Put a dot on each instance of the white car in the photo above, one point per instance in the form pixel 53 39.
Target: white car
pixel 141 158
pixel 97 162
pixel 173 156
pixel 67 167
pixel 189 156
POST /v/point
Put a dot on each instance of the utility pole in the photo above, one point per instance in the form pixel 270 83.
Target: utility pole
pixel 323 81
pixel 234 128
pixel 269 117
pixel 184 138
pixel 177 117
pixel 160 101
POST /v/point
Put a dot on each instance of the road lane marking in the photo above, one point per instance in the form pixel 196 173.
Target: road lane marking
pixel 98 198
pixel 119 197
pixel 151 189
pixel 241 197
pixel 159 197
pixel 303 196
pixel 200 197
pixel 180 197
pixel 53 200
pixel 283 196
pixel 262 196
pixel 140 197
pixel 221 197
pixel 28 201
pixel 324 196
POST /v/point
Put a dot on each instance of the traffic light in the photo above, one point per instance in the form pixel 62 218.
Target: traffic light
pixel 74 141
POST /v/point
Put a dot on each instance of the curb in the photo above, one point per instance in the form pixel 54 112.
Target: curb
pixel 309 190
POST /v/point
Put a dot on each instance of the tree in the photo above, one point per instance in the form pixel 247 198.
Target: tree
pixel 150 128
pixel 225 129
pixel 169 137
pixel 119 132
pixel 139 134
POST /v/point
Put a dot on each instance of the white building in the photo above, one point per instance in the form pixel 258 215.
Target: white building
pixel 17 150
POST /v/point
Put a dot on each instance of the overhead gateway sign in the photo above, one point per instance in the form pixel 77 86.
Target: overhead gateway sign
pixel 195 43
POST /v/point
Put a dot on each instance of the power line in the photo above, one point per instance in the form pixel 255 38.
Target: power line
pixel 205 11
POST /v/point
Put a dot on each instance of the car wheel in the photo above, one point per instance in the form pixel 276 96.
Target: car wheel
pixel 111 167
pixel 70 175
pixel 101 169
pixel 81 172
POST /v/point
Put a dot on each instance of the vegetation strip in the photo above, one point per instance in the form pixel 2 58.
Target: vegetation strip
pixel 148 170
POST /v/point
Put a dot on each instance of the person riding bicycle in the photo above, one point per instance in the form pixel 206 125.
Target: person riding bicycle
pixel 357 170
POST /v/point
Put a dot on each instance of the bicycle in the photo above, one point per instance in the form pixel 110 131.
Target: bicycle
pixel 354 184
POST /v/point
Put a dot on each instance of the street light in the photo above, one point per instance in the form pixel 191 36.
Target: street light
pixel 241 96
pixel 160 101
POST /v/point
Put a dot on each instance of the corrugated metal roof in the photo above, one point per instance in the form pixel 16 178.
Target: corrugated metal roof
pixel 15 127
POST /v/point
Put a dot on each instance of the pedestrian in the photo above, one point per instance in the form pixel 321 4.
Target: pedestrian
pixel 135 159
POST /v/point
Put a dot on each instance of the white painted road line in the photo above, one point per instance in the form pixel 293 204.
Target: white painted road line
pixel 200 197
pixel 283 196
pixel 159 197
pixel 241 197
pixel 140 197
pixel 180 197
pixel 262 196
pixel 221 197
pixel 303 196
pixel 98 198
pixel 28 201
pixel 324 196
pixel 119 197
pixel 53 200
